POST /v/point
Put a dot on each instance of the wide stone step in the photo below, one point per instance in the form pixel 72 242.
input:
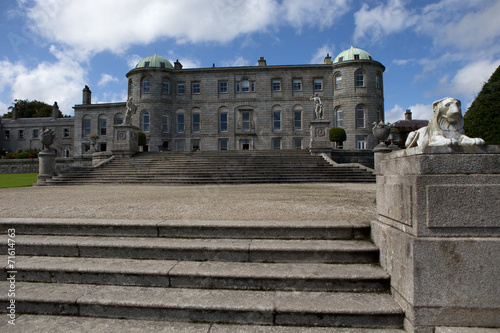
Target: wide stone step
pixel 338 309
pixel 243 250
pixel 47 323
pixel 333 230
pixel 206 274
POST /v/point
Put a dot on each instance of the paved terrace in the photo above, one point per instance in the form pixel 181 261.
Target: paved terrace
pixel 300 202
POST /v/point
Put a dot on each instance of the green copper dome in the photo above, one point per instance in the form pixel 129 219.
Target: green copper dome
pixel 154 61
pixel 352 54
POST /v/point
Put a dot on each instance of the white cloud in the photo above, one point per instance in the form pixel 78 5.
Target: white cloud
pixel 374 23
pixel 469 80
pixel 319 56
pixel 133 60
pixel 105 79
pixel 318 13
pixel 419 111
pixel 238 61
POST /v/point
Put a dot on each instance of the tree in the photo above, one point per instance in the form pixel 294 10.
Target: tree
pixel 31 109
pixel 142 140
pixel 482 119
pixel 338 135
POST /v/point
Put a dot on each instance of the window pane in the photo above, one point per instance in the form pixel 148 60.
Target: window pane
pixel 180 123
pixel 223 87
pixel 276 143
pixel 297 120
pixel 196 122
pixel 102 126
pixel 223 122
pixel 340 120
pixel 360 117
pixel 361 142
pixel 318 84
pixel 86 127
pixel 245 121
pixel 297 85
pixel 196 88
pixel 276 121
pixel 145 122
pixel 276 85
pixel 35 133
pixel 146 86
pixel 166 87
pixel 223 144
pixel 180 89
pixel 297 143
pixel 360 79
pixel 338 81
pixel 245 85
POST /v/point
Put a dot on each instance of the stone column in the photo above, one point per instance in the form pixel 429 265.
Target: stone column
pixel 125 140
pixel 320 141
pixel 438 230
pixel 46 165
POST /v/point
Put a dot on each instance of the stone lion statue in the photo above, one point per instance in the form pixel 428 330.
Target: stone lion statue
pixel 445 127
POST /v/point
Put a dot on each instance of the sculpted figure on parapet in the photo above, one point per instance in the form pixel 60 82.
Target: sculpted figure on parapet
pixel 131 109
pixel 318 106
pixel 446 127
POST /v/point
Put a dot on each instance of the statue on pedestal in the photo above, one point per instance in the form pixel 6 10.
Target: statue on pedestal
pixel 131 109
pixel 446 127
pixel 318 106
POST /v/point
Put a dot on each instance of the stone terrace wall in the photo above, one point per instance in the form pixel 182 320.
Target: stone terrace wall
pixel 31 165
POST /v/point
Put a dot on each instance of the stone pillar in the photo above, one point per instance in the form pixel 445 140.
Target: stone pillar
pixel 320 141
pixel 46 165
pixel 125 140
pixel 438 230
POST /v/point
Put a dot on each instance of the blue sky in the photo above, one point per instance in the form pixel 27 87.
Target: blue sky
pixel 51 49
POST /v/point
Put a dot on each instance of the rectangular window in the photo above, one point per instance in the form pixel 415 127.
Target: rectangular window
pixel 245 117
pixel 180 89
pixel 238 87
pixel 223 144
pixel 252 86
pixel 245 85
pixel 276 85
pixel 223 122
pixel 223 87
pixel 361 141
pixel 318 84
pixel 340 118
pixel 297 143
pixel 297 121
pixel 35 133
pixel 276 121
pixel 146 86
pixel 196 88
pixel 196 122
pixel 180 123
pixel 20 134
pixel 7 135
pixel 66 133
pixel 165 123
pixel 165 87
pixel 276 143
pixel 360 80
pixel 360 117
pixel 297 85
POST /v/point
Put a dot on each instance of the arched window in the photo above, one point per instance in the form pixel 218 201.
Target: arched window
pixel 339 117
pixel 146 86
pixel 360 116
pixel 338 81
pixel 118 118
pixel 145 122
pixel 86 125
pixel 360 79
pixel 245 85
pixel 102 125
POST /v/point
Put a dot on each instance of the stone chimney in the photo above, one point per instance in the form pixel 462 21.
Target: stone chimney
pixel 55 111
pixel 87 95
pixel 14 113
pixel 262 61
pixel 177 64
pixel 408 114
pixel 328 59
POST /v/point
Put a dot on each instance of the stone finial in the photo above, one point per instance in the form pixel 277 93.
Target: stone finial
pixel 446 127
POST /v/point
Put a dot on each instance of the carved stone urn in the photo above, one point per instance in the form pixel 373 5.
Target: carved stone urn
pixel 381 131
pixel 47 138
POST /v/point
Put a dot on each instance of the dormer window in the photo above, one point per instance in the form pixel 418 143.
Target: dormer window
pixel 146 64
pixel 356 57
pixel 341 59
pixel 162 65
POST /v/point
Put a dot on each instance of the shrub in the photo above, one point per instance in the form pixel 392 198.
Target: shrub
pixel 337 134
pixel 142 139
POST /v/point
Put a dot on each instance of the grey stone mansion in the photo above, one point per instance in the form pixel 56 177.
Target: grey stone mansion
pixel 222 108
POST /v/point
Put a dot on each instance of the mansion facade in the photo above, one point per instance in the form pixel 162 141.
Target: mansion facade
pixel 225 108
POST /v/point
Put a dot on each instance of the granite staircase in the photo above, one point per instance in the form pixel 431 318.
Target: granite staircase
pixel 214 167
pixel 200 276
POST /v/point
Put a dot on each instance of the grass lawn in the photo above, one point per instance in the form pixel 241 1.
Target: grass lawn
pixel 17 179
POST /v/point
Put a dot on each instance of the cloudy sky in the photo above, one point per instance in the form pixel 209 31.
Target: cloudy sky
pixel 51 49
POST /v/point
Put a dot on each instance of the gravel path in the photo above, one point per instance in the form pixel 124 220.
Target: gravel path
pixel 209 202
